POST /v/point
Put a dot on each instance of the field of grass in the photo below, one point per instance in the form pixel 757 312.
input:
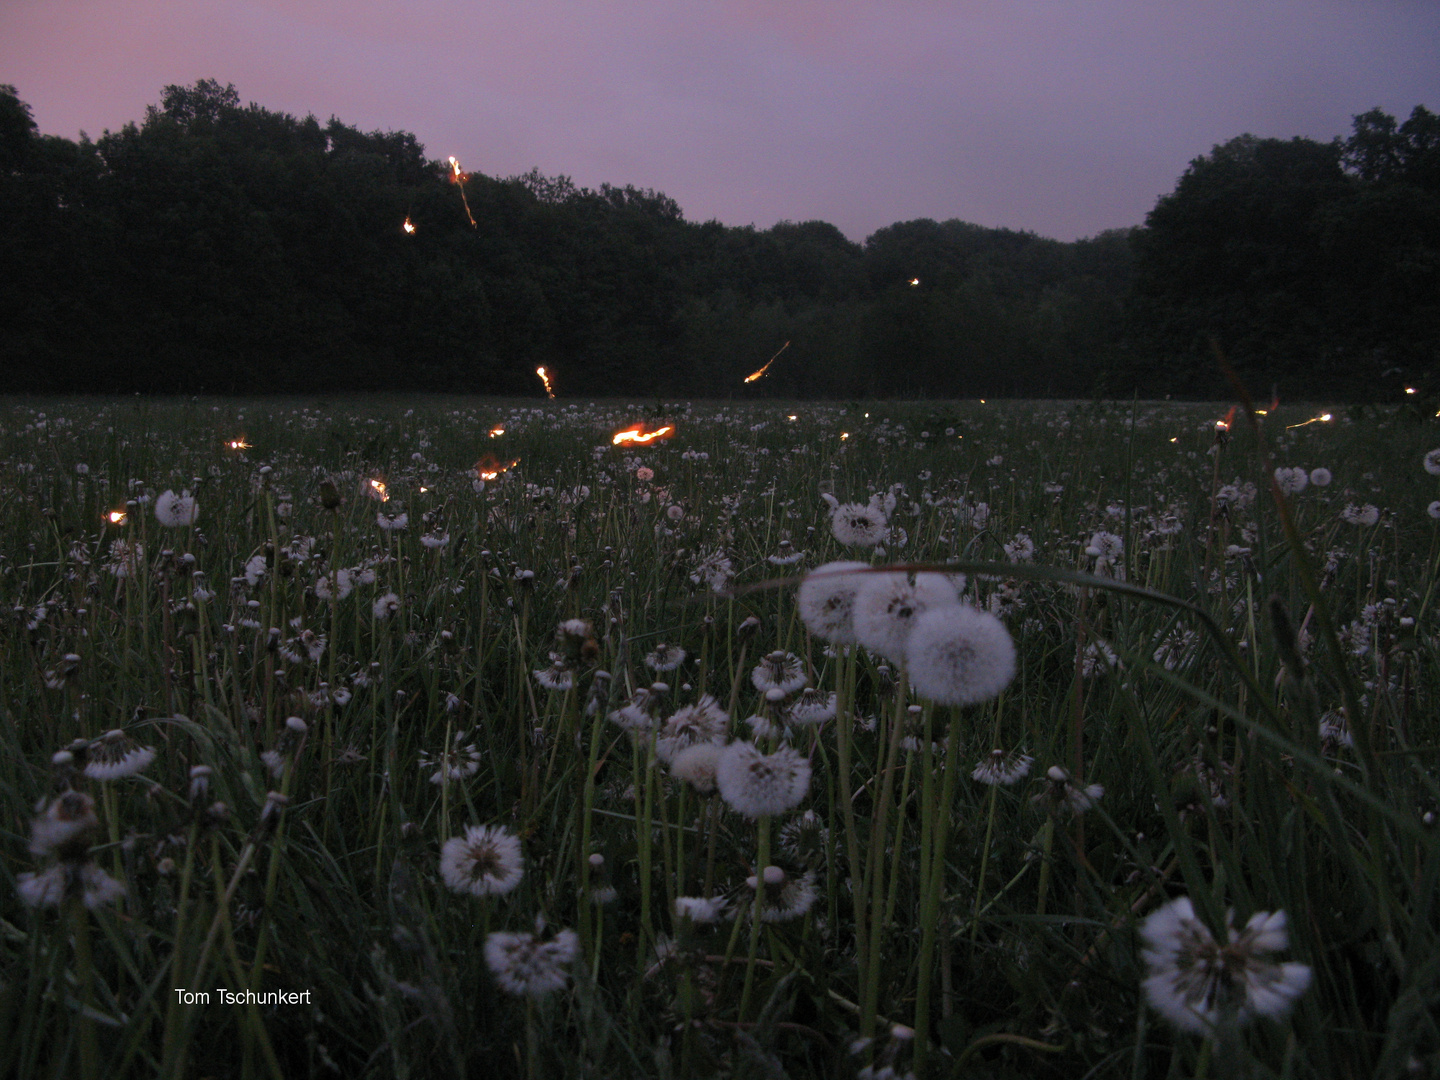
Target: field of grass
pixel 248 743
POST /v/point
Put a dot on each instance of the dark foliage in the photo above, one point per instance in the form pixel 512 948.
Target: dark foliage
pixel 221 247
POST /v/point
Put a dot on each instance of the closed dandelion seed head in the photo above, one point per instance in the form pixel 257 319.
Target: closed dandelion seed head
pixel 486 861
pixel 697 765
pixel 960 655
pixel 826 600
pixel 756 784
pixel 115 756
pixel 525 965
pixel 888 603
pixel 1202 986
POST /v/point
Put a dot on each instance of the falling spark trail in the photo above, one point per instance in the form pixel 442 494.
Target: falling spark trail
pixel 1323 418
pixel 756 374
pixel 544 378
pixel 459 176
pixel 637 434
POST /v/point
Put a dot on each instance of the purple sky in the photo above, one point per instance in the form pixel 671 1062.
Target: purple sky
pixel 1064 118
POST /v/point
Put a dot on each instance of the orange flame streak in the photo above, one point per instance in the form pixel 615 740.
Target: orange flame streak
pixel 1323 418
pixel 1224 425
pixel 496 431
pixel 637 434
pixel 116 517
pixel 757 374
pixel 409 225
pixel 489 468
pixel 544 378
pixel 378 486
pixel 238 444
pixel 459 176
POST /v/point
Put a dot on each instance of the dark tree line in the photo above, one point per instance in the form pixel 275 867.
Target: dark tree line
pixel 218 247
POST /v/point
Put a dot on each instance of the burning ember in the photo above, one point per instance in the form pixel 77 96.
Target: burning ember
pixel 757 374
pixel 638 434
pixel 377 490
pixel 459 176
pixel 238 444
pixel 116 517
pixel 496 431
pixel 549 391
pixel 489 468
pixel 1323 418
pixel 409 225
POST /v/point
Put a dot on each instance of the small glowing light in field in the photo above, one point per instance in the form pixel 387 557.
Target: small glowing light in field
pixel 638 434
pixel 1221 425
pixel 378 486
pixel 790 417
pixel 844 435
pixel 488 468
pixel 238 444
pixel 1410 390
pixel 1175 439
pixel 496 431
pixel 409 225
pixel 867 416
pixel 982 401
pixel 544 378
pixel 756 374
pixel 116 517
pixel 424 489
pixel 1262 412
pixel 1323 418
pixel 914 281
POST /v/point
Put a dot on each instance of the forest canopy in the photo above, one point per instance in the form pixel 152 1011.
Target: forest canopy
pixel 221 247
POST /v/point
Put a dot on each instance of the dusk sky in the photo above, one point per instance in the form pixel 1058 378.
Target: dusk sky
pixel 1063 118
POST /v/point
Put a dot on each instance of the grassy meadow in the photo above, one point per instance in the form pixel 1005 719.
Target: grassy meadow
pixel 254 748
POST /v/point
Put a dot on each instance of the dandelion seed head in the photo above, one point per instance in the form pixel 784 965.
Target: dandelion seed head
pixel 525 965
pixel 960 655
pixel 756 784
pixel 485 861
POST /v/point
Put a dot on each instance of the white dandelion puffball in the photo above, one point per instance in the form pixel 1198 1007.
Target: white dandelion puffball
pixel 1321 477
pixel 485 861
pixel 1292 481
pixel 1434 509
pixel 174 511
pixel 859 525
pixel 826 600
pixel 888 603
pixel 525 965
pixel 1432 462
pixel 1197 984
pixel 960 655
pixel 756 784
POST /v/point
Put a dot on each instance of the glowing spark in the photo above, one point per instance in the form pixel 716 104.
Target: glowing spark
pixel 116 517
pixel 1176 439
pixel 914 281
pixel 424 489
pixel 549 391
pixel 756 374
pixel 378 486
pixel 844 435
pixel 1323 418
pixel 496 431
pixel 459 176
pixel 982 401
pixel 238 444
pixel 409 225
pixel 638 434
pixel 488 468
pixel 1410 390
pixel 790 417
